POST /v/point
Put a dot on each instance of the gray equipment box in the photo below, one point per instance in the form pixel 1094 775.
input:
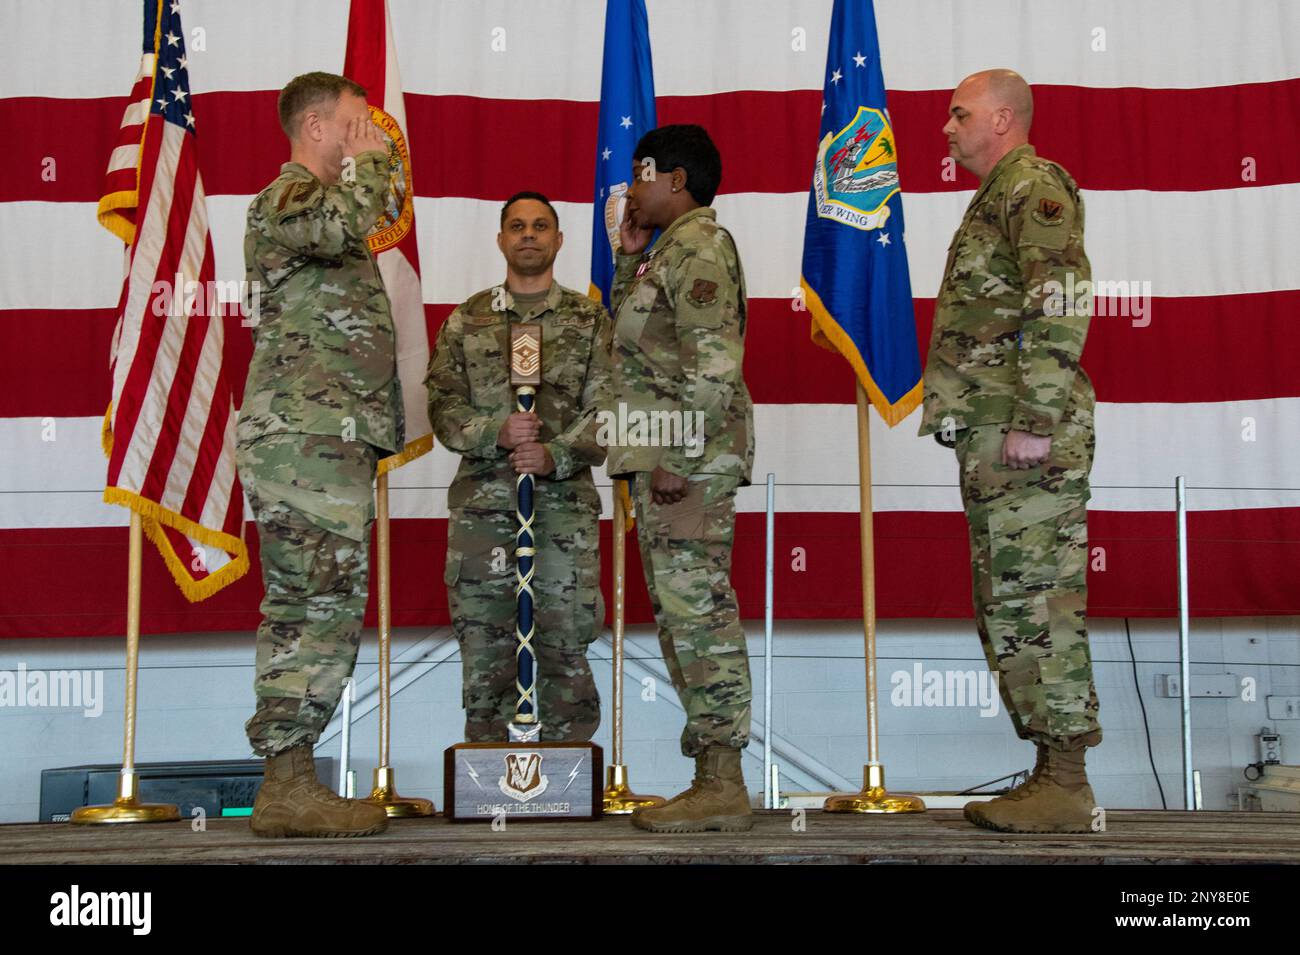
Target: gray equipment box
pixel 219 787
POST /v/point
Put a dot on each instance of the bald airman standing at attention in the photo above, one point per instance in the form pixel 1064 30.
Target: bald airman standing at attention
pixel 1003 387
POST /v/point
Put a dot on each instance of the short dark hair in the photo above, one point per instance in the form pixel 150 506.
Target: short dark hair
pixel 528 195
pixel 689 147
pixel 310 89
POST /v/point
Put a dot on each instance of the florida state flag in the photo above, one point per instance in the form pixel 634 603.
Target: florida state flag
pixel 372 61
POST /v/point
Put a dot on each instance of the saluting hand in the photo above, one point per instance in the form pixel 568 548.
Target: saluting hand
pixel 362 136
pixel 520 428
pixel 632 238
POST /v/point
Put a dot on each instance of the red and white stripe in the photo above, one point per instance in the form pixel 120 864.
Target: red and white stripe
pixel 172 451
pixel 123 162
pixel 1157 128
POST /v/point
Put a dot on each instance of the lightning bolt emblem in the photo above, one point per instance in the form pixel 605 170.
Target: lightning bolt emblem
pixel 473 773
pixel 573 775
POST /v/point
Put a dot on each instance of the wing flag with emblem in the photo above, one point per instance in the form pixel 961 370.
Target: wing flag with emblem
pixel 855 278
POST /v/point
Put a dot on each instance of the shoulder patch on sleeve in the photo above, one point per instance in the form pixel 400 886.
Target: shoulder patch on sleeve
pixel 703 292
pixel 295 196
pixel 1047 214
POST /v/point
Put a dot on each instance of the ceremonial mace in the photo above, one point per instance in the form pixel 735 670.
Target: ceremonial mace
pixel 619 800
pixel 127 806
pixel 873 797
pixel 572 791
pixel 384 792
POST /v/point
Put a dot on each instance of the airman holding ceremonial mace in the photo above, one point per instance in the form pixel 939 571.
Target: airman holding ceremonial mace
pixel 553 441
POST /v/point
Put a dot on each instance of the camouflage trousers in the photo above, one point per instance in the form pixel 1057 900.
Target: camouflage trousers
pixel 316 574
pixel 1029 558
pixel 568 611
pixel 686 557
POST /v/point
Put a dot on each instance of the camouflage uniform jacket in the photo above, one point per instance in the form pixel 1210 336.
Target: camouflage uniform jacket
pixel 470 396
pixel 323 336
pixel 1005 348
pixel 679 346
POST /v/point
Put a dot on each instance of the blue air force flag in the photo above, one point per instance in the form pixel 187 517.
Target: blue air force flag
pixel 627 112
pixel 855 277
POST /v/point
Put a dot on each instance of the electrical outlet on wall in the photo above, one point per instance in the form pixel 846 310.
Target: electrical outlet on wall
pixel 1283 707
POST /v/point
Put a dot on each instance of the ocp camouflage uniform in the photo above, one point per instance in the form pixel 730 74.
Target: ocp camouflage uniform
pixel 321 405
pixel 470 398
pixel 679 340
pixel 1004 355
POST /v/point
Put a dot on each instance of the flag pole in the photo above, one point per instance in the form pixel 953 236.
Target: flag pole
pixel 619 529
pixel 384 792
pixel 873 797
pixel 127 806
pixel 619 800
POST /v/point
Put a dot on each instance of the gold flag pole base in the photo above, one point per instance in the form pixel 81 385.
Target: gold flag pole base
pixel 873 797
pixel 619 799
pixel 126 807
pixel 398 807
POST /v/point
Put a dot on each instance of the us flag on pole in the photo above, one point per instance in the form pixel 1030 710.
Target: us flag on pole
pixel 170 431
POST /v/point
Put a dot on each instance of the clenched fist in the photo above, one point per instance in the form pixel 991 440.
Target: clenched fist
pixel 532 458
pixel 666 487
pixel 1022 450
pixel 519 428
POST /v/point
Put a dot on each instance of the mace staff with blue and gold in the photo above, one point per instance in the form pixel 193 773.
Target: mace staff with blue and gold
pixel 485 781
pixel 525 377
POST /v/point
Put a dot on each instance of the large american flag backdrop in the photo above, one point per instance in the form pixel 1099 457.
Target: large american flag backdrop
pixel 1177 117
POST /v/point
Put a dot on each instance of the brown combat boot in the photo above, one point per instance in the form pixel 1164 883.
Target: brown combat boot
pixel 293 802
pixel 1059 800
pixel 716 799
pixel 1017 792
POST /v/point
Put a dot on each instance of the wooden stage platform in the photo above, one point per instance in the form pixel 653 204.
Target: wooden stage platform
pixel 937 836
